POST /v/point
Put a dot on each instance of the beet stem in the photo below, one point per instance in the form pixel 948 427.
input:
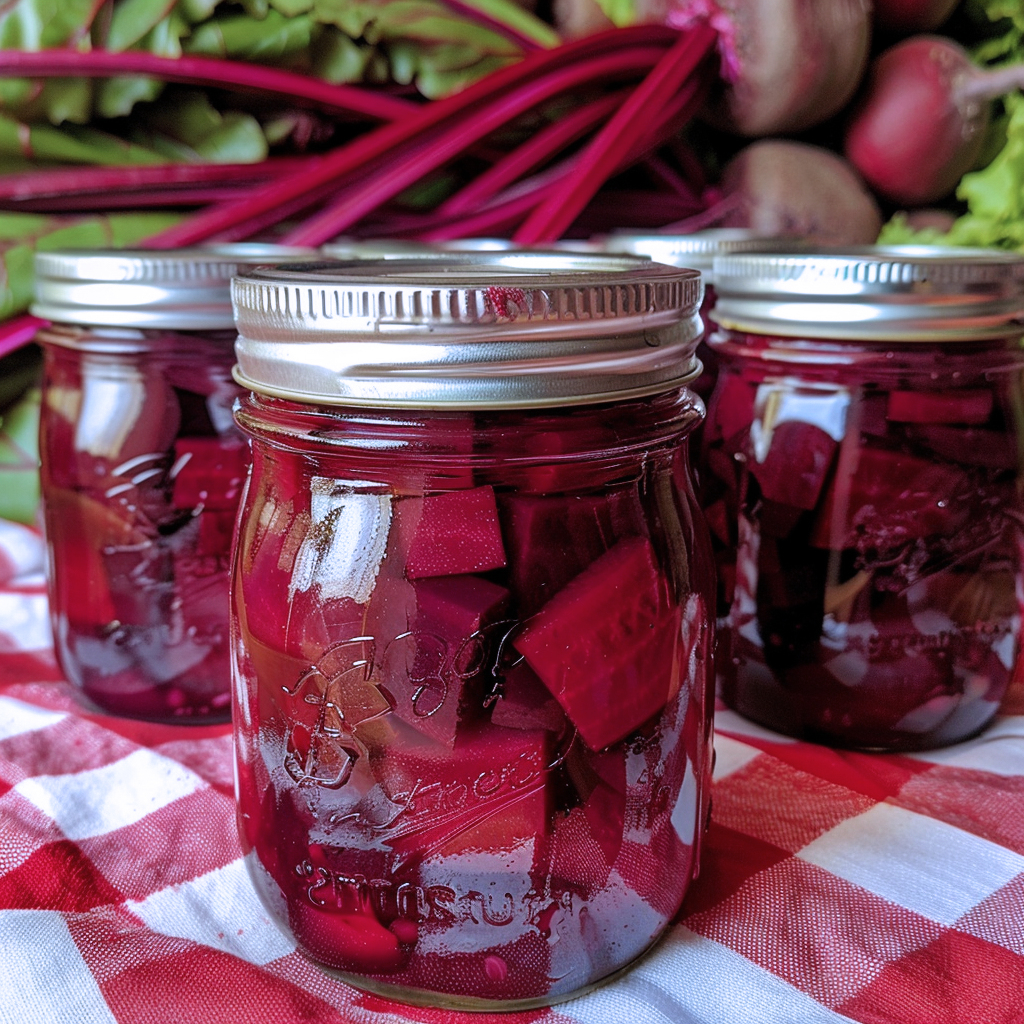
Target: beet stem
pixel 205 71
pixel 532 153
pixel 18 331
pixel 222 219
pixel 406 168
pixel 627 126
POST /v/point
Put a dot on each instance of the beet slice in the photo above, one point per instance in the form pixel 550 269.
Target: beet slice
pixel 553 539
pixel 526 703
pixel 967 406
pixel 435 670
pixel 796 464
pixel 209 472
pixel 606 645
pixel 458 533
pixel 889 497
pixel 489 793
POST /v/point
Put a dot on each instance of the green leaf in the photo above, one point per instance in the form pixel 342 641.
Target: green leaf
pixel 195 11
pixel 131 21
pixel 290 8
pixel 19 459
pixel 72 144
pixel 242 37
pixel 185 127
pixel 40 24
pixel 337 58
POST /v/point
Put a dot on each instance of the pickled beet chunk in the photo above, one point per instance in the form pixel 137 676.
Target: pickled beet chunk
pixel 730 408
pixel 600 781
pixel 968 406
pixel 209 472
pixel 489 793
pixel 526 703
pixel 553 539
pixel 607 645
pixel 435 671
pixel 458 533
pixel 796 465
pixel 890 497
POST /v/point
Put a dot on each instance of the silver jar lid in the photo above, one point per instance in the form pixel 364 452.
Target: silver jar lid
pixel 697 250
pixel 893 293
pixel 183 289
pixel 467 330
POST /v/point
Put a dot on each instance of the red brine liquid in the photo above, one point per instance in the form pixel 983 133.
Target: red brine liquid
pixel 867 521
pixel 142 472
pixel 473 671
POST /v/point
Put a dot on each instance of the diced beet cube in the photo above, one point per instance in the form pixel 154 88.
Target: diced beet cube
pixel 209 471
pixel 553 539
pixel 607 645
pixel 526 703
pixel 970 406
pixel 969 446
pixel 490 793
pixel 730 408
pixel 434 670
pixel 796 464
pixel 721 524
pixel 600 781
pixel 458 533
pixel 888 497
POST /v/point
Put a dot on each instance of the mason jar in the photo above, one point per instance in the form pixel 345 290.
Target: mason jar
pixel 471 618
pixel 141 472
pixel 697 250
pixel 861 475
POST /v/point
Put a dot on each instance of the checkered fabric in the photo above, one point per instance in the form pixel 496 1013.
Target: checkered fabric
pixel 835 886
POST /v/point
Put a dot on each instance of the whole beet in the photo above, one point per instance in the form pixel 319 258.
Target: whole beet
pixel 777 187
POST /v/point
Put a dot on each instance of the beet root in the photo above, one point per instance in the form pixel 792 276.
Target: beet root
pixel 919 126
pixel 781 188
pixel 798 62
pixel 907 16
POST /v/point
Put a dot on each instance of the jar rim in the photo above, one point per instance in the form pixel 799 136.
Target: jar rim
pixel 497 329
pixel 884 293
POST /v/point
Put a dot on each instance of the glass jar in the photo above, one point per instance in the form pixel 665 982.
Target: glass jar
pixel 141 472
pixel 698 251
pixel 861 475
pixel 471 614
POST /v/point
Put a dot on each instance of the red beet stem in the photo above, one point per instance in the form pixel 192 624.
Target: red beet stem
pixel 68 181
pixel 406 169
pixel 205 71
pixel 18 331
pixel 674 72
pixel 531 154
pixel 355 155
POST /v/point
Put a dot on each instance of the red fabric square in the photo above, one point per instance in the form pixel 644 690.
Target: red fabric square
pixel 728 859
pixel 982 803
pixel 1000 918
pixel 824 936
pixel 163 980
pixel 179 842
pixel 957 979
pixel 71 745
pixel 803 806
pixel 58 876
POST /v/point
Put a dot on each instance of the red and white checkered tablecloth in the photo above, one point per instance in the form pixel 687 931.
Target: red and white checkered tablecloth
pixel 836 886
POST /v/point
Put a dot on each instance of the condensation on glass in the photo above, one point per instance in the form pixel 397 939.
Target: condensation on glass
pixel 141 468
pixel 472 614
pixel 861 475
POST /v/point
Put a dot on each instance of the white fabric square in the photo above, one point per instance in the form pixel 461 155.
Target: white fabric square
pixel 44 979
pixel 692 980
pixel 999 750
pixel 17 717
pixel 731 756
pixel 219 909
pixel 91 803
pixel 26 620
pixel 928 866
